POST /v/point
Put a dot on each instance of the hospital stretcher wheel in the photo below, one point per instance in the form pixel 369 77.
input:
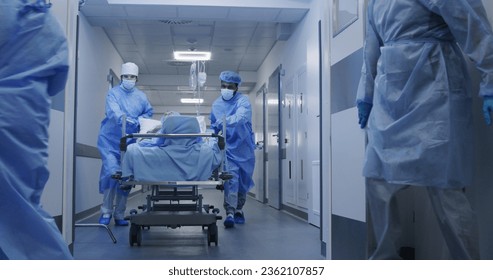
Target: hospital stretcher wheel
pixel 212 234
pixel 139 236
pixel 135 235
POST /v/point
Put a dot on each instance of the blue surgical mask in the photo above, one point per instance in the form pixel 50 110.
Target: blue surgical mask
pixel 227 94
pixel 128 84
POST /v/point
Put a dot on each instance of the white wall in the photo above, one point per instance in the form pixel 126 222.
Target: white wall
pixel 301 49
pixel 96 56
pixel 58 193
pixel 300 53
pixel 348 189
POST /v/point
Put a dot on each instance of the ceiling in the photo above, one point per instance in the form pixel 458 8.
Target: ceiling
pixel 239 37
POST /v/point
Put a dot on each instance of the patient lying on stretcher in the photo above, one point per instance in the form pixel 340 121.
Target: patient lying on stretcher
pixel 172 159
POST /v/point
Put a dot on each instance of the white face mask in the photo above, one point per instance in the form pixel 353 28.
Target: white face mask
pixel 227 93
pixel 128 84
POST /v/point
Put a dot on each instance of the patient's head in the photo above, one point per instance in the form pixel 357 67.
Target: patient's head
pixel 177 124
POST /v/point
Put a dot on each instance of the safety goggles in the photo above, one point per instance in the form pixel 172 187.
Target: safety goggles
pixel 129 77
pixel 228 85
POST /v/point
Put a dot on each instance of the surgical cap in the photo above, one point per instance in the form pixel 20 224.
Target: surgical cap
pixel 230 77
pixel 130 68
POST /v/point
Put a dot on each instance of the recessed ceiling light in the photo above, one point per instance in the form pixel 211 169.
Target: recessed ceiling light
pixel 192 100
pixel 192 56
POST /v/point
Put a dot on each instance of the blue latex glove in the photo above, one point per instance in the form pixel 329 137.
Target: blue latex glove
pixel 364 110
pixel 487 108
pixel 219 124
pixel 132 126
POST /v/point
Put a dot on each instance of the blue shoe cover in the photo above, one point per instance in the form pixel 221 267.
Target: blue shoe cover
pixel 229 222
pixel 239 218
pixel 105 219
pixel 121 222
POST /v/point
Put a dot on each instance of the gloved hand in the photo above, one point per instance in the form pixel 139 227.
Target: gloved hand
pixel 219 124
pixel 364 110
pixel 132 126
pixel 487 108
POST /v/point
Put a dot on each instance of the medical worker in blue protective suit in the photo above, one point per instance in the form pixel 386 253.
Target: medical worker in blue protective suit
pixel 240 158
pixel 414 83
pixel 125 103
pixel 173 159
pixel 33 67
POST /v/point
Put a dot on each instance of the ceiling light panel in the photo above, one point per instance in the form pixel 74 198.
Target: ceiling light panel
pixel 191 56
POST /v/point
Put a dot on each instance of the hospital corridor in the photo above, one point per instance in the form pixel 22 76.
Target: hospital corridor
pixel 269 235
pixel 246 130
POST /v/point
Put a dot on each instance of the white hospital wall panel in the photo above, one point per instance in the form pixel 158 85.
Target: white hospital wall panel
pixel 51 200
pixel 348 150
pixel 87 193
pixel 96 56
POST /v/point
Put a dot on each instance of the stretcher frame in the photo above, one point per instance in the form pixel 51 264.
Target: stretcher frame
pixel 174 213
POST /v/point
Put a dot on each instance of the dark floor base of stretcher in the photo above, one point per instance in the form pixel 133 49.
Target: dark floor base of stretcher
pixel 172 220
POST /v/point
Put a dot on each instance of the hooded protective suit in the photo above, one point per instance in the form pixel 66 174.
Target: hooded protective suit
pixel 176 159
pixel 33 67
pixel 419 130
pixel 415 76
pixel 134 104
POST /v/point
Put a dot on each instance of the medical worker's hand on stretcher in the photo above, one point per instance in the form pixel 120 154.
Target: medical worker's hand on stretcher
pixel 132 125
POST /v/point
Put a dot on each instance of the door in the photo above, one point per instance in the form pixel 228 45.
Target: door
pixel 272 140
pixel 259 172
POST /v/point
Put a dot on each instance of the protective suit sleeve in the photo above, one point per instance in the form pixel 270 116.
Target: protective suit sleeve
pixel 468 22
pixel 371 54
pixel 131 125
pixel 148 110
pixel 113 110
pixel 242 115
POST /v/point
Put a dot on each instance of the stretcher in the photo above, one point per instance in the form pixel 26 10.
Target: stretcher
pixel 174 204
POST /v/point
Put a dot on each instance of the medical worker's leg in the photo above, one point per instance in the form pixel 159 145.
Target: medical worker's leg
pixel 381 197
pixel 108 199
pixel 120 206
pixel 239 215
pixel 231 189
pixel 457 222
pixel 241 200
pixel 231 195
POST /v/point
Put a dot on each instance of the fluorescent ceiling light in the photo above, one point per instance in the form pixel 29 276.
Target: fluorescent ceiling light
pixel 192 100
pixel 192 56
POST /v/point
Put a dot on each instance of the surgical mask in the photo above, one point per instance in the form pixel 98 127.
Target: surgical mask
pixel 128 84
pixel 227 93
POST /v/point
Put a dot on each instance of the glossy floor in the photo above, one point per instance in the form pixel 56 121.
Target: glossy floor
pixel 268 234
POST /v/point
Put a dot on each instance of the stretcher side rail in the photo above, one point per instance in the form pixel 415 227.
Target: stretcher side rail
pixel 123 141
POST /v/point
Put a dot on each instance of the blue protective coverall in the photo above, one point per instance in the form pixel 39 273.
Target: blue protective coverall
pixel 420 126
pixel 176 159
pixel 240 147
pixel 119 101
pixel 33 67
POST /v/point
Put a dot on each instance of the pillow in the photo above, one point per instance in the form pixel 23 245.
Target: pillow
pixel 201 120
pixel 149 125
